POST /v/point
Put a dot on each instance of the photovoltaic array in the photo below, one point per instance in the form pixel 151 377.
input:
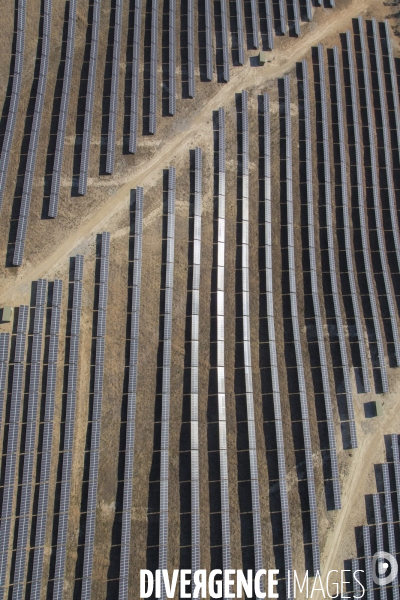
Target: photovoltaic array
pixel 134 116
pixel 90 526
pixel 296 334
pixel 376 196
pixel 112 118
pixel 153 67
pixel 346 223
pixel 211 57
pixel 315 293
pixel 68 443
pixel 15 96
pixel 331 251
pixel 283 492
pixel 361 213
pixel 33 139
pixel 47 443
pixel 245 276
pixel 63 116
pixel 17 389
pixel 91 82
pixel 379 535
pixel 30 441
pixel 166 377
pixel 4 349
pixel 223 449
pixel 123 592
pixel 194 366
pixel 172 61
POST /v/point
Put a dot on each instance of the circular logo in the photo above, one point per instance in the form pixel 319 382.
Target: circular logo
pixel 380 565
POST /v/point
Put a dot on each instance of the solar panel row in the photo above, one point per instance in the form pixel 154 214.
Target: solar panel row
pixel 190 42
pixel 376 194
pixel 90 92
pixel 296 335
pixel 166 377
pixel 33 139
pixel 194 371
pixel 66 473
pixel 7 511
pixel 361 214
pixel 112 119
pixel 239 26
pixel 296 15
pixel 269 19
pixel 14 100
pixel 224 33
pixel 282 17
pixel 308 15
pixel 123 592
pixel 133 126
pixel 30 444
pixel 4 346
pixel 382 106
pixel 331 251
pixel 393 81
pixel 63 116
pixel 172 36
pixel 396 461
pixel 254 23
pixel 44 481
pixel 390 524
pixel 283 493
pixel 346 221
pixel 223 453
pixel 379 537
pixel 315 294
pixel 368 562
pixel 258 555
pixel 96 421
pixel 153 67
pixel 209 47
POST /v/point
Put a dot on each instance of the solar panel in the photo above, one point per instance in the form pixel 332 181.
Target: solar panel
pixel 361 212
pixel 239 26
pixel 172 94
pixel 33 139
pixel 153 67
pixel 368 562
pixel 224 33
pixel 12 447
pixel 14 100
pixel 209 49
pixel 123 592
pixel 135 78
pixel 30 442
pixel 112 118
pixel 296 334
pixel 90 93
pixel 331 254
pixel 376 191
pixel 282 16
pixel 382 106
pixel 390 526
